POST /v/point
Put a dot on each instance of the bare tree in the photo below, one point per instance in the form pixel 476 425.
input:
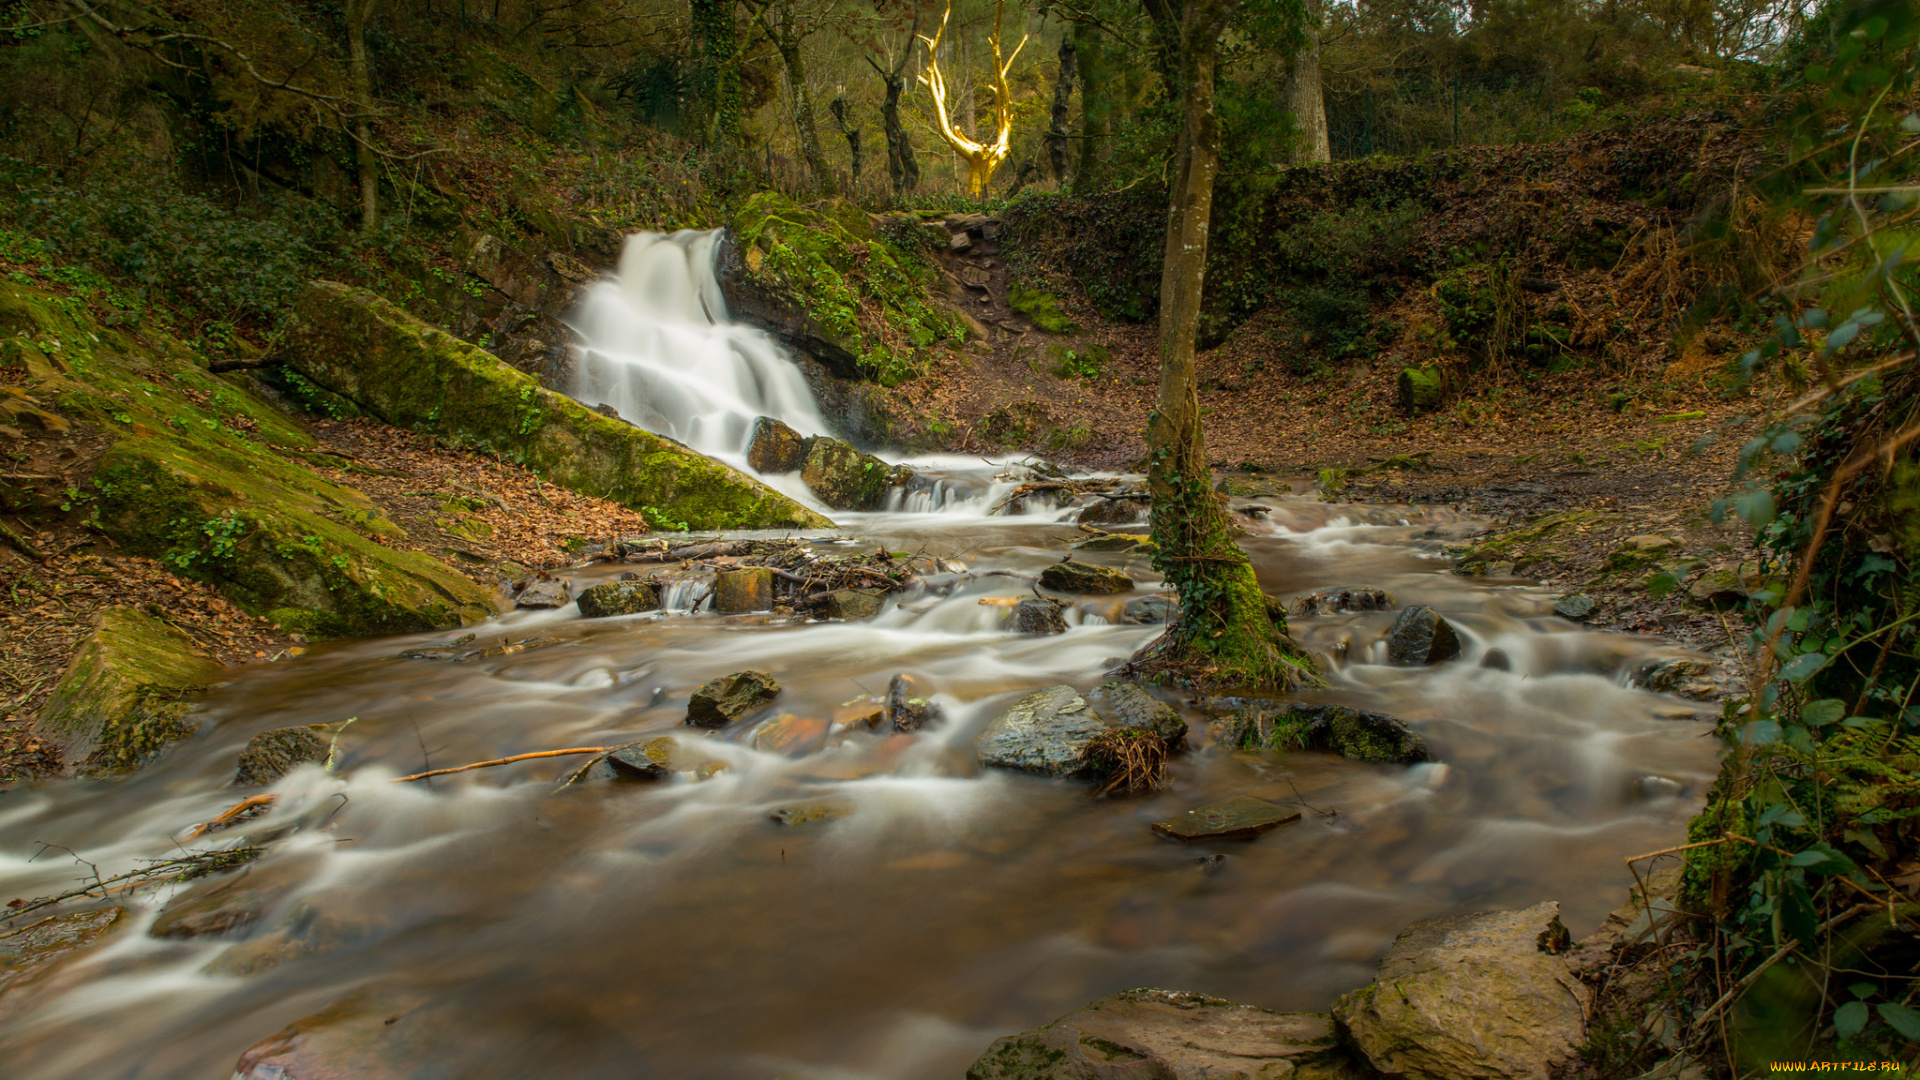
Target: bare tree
pixel 902 169
pixel 982 158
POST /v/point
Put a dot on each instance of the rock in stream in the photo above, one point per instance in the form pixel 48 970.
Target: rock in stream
pixel 730 698
pixel 1421 636
pixel 1048 731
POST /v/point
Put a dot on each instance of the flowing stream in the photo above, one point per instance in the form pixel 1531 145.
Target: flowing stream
pixel 622 929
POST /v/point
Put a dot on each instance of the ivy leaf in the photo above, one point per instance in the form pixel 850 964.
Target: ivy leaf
pixel 1848 1019
pixel 1802 667
pixel 1755 506
pixel 1793 915
pixel 1901 1019
pixel 1761 733
pixel 1821 858
pixel 1823 712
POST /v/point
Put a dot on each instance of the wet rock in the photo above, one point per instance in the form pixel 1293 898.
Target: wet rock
pixel 749 588
pixel 618 598
pixel 1115 542
pixel 1720 586
pixel 1079 577
pixel 39 946
pixel 1578 607
pixel 1103 511
pixel 370 1035
pixel 223 906
pixel 1340 601
pixel 776 448
pixel 1048 731
pixel 1484 996
pixel 1169 1035
pixel 1242 817
pixel 271 755
pixel 1150 610
pixel 846 479
pixel 119 701
pixel 1646 542
pixel 905 710
pixel 1421 636
pixel 1496 660
pixel 853 605
pixel 789 734
pixel 647 759
pixel 1355 734
pixel 1126 707
pixel 808 812
pixel 545 592
pixel 1685 677
pixel 1039 616
pixel 730 698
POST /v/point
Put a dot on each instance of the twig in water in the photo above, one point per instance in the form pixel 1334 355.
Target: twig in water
pixel 504 761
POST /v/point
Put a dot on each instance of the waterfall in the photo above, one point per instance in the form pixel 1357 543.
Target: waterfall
pixel 656 344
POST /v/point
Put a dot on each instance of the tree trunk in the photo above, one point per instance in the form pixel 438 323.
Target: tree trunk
pixel 717 96
pixel 1096 105
pixel 789 46
pixel 1228 633
pixel 1062 101
pixel 1304 98
pixel 842 113
pixel 366 163
pixel 902 168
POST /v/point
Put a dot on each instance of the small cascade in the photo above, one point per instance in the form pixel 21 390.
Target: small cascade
pixel 656 344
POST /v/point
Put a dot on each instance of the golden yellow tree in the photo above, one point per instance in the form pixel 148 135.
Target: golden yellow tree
pixel 982 158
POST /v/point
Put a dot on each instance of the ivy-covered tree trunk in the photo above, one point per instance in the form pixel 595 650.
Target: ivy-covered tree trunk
pixel 366 162
pixel 1062 102
pixel 1096 104
pixel 1228 633
pixel 717 96
pixel 843 116
pixel 787 41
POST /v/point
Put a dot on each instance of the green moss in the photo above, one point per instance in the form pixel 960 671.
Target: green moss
pixel 1039 308
pixel 412 375
pixel 120 700
pixel 865 292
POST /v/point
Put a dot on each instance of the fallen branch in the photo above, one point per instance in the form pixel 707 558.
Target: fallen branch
pixel 232 812
pixel 504 761
pixel 185 868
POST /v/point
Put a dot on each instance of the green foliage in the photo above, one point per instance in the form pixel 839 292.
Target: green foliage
pixel 1042 309
pixel 1089 363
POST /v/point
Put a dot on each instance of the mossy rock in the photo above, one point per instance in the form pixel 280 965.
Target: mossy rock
pixel 822 280
pixel 1354 734
pixel 846 479
pixel 1079 577
pixel 1042 309
pixel 1420 390
pixel 125 694
pixel 618 598
pixel 413 375
pixel 203 474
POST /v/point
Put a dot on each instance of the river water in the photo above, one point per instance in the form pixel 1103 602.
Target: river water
pixel 485 925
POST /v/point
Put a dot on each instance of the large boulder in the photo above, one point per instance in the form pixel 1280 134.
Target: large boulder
pixel 545 592
pixel 1170 1035
pixel 121 698
pixel 1421 636
pixel 1079 577
pixel 1038 616
pixel 1049 730
pixel 1352 733
pixel 271 755
pixel 730 697
pixel 618 598
pixel 409 374
pixel 1106 511
pixel 846 479
pixel 1484 996
pixel 775 447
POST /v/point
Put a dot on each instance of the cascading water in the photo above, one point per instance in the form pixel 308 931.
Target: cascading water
pixel 656 344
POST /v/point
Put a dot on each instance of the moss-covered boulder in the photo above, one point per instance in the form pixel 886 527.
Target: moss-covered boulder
pixel 846 479
pixel 273 754
pixel 1420 390
pixel 730 697
pixel 775 447
pixel 828 283
pixel 1355 734
pixel 1080 577
pixel 126 693
pixel 618 598
pixel 412 375
pixel 204 475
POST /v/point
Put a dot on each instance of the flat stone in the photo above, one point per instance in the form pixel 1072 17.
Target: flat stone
pixel 1104 511
pixel 1126 707
pixel 1170 1035
pixel 1044 732
pixel 618 598
pixel 775 448
pixel 1038 616
pixel 1242 817
pixel 809 812
pixel 648 759
pixel 1647 542
pixel 271 755
pixel 853 605
pixel 1578 607
pixel 1341 601
pixel 1484 996
pixel 1079 577
pixel 730 698
pixel 736 592
pixel 1719 587
pixel 1114 542
pixel 789 734
pixel 40 945
pixel 548 593
pixel 1421 636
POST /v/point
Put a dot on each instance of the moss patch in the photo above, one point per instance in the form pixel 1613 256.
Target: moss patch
pixel 121 699
pixel 1042 309
pixel 865 291
pixel 412 375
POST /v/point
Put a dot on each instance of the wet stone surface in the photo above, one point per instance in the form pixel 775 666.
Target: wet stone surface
pixel 1240 818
